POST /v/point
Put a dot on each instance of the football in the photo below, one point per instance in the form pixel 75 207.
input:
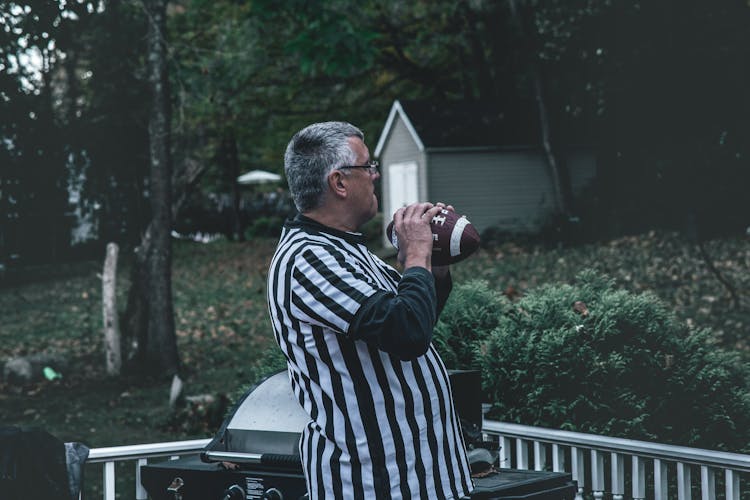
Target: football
pixel 453 238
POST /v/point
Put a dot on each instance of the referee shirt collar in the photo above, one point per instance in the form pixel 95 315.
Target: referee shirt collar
pixel 300 221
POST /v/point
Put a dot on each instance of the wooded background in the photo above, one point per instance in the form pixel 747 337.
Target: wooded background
pixel 661 88
pixel 123 116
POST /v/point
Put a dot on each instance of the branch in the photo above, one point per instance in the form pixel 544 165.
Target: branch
pixel 711 267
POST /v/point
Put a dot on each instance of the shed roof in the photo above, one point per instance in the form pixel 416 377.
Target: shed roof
pixel 461 124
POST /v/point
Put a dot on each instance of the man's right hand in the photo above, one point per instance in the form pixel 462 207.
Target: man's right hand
pixel 412 226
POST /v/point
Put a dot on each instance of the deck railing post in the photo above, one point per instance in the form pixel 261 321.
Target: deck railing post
pixel 639 478
pixel 522 454
pixel 578 470
pixel 708 483
pixel 540 456
pixel 109 480
pixel 683 481
pixel 506 448
pixel 660 480
pixel 140 491
pixel 558 458
pixel 597 473
pixel 732 484
pixel 618 476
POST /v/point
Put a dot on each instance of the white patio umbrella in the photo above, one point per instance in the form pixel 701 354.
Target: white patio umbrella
pixel 258 177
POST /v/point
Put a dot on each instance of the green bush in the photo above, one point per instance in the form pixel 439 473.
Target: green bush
pixel 272 361
pixel 372 230
pixel 617 364
pixel 265 227
pixel 471 313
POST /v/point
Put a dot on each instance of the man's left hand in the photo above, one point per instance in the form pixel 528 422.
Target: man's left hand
pixel 441 272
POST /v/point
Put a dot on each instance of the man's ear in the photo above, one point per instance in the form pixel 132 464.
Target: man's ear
pixel 338 183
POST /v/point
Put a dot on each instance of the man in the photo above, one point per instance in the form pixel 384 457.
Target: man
pixel 356 334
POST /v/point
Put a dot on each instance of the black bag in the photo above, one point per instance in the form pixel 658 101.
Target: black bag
pixel 32 465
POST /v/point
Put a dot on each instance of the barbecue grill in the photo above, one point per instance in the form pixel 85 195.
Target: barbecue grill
pixel 254 455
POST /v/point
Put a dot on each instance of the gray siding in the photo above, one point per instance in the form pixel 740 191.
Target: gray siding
pixel 399 147
pixel 511 189
pixel 507 189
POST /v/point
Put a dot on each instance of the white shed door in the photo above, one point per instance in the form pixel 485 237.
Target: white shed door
pixel 402 184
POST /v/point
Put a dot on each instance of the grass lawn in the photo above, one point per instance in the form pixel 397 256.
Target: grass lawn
pixel 223 329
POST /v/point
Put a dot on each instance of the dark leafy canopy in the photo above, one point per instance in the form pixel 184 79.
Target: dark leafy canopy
pixel 620 366
pixel 673 113
pixel 658 88
pixel 112 122
pixel 264 69
pixel 32 143
pixel 73 127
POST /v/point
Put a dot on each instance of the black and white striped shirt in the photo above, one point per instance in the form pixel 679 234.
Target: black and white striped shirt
pixel 357 335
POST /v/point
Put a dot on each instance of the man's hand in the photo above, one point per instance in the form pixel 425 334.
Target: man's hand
pixel 412 226
pixel 441 272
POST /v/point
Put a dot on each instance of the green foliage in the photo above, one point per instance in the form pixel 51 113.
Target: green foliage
pixel 471 313
pixel 272 361
pixel 666 264
pixel 617 364
pixel 373 230
pixel 264 227
pixel 327 39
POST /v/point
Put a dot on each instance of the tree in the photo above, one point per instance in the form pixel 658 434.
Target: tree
pixel 158 344
pixel 112 130
pixel 33 173
pixel 523 19
pixel 661 87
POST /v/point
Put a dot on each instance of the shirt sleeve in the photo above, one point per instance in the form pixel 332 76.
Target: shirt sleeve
pixel 401 323
pixel 326 289
pixel 443 289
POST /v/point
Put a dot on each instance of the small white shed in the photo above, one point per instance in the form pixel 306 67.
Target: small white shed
pixel 488 165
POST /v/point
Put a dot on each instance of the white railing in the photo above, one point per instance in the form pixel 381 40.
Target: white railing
pixel 139 453
pixel 597 463
pixel 588 456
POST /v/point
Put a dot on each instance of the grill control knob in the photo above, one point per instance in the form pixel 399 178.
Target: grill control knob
pixel 273 494
pixel 234 492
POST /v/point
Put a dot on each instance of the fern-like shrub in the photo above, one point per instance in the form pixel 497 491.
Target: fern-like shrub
pixel 471 313
pixel 591 358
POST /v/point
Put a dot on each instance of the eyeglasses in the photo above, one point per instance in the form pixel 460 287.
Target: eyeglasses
pixel 372 167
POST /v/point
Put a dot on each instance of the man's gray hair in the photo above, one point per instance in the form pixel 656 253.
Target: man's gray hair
pixel 311 154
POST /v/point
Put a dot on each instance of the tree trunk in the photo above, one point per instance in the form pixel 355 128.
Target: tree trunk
pixel 112 351
pixel 484 80
pixel 135 317
pixel 160 348
pixel 232 159
pixel 560 179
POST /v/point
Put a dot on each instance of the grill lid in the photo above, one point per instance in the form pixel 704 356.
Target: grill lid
pixel 267 420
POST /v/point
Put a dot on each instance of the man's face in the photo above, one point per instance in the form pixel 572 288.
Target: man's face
pixel 363 200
